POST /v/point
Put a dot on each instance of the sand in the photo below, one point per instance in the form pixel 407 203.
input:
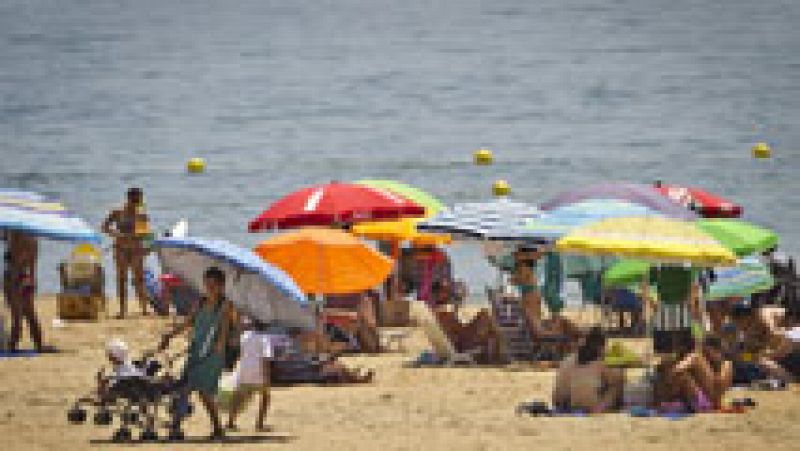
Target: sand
pixel 405 408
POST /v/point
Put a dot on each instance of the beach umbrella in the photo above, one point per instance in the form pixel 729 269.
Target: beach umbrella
pixel 500 219
pixel 32 213
pixel 649 238
pixel 334 204
pixel 741 237
pixel 645 195
pixel 556 223
pixel 749 276
pixel 431 204
pixel 625 273
pixel 257 288
pixel 399 231
pixel 326 261
pixel 704 203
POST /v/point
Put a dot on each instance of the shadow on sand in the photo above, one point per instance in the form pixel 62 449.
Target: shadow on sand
pixel 228 440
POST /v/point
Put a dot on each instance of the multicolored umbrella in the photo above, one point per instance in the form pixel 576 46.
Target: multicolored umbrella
pixel 639 194
pixel 625 272
pixel 704 203
pixel 748 277
pixel 650 238
pixel 741 237
pixel 334 204
pixel 432 204
pixel 501 219
pixel 326 261
pixel 31 213
pixel 402 229
pixel 556 223
pixel 255 287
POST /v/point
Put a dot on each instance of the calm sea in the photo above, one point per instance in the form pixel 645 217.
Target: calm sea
pixel 96 96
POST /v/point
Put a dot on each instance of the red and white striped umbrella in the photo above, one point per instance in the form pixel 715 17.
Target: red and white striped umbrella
pixel 704 203
pixel 335 204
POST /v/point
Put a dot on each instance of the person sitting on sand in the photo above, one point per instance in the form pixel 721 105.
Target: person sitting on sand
pixel 129 226
pixel 477 334
pixel 209 324
pixel 303 362
pixel 698 379
pixel 760 351
pixel 23 250
pixel 584 382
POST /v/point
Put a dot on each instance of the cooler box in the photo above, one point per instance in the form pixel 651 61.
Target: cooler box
pixel 79 306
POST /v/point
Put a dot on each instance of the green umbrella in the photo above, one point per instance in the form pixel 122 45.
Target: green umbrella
pixel 432 205
pixel 625 272
pixel 743 238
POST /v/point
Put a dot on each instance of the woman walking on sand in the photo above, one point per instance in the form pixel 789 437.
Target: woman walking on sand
pixel 22 254
pixel 129 227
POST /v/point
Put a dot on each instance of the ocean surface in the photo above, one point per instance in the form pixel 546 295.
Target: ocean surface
pixel 96 96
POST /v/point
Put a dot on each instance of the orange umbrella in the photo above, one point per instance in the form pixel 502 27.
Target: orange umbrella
pixel 326 261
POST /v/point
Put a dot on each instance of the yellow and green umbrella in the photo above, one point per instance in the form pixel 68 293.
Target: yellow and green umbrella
pixel 431 204
pixel 649 238
pixel 741 237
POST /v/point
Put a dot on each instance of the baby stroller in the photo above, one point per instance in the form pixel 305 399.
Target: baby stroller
pixel 145 400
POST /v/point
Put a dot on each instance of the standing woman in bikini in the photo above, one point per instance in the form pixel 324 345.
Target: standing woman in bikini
pixel 129 227
pixel 23 250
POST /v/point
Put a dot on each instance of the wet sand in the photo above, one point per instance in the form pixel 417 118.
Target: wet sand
pixel 405 408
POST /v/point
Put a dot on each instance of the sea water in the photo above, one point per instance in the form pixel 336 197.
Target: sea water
pixel 97 96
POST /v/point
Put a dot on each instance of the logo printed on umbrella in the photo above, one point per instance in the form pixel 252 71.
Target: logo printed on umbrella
pixel 313 200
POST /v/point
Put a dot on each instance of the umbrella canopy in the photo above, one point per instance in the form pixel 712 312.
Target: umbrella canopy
pixel 635 193
pixel 625 272
pixel 334 204
pixel 741 237
pixel 255 287
pixel 706 204
pixel 501 219
pixel 556 223
pixel 400 230
pixel 325 261
pixel 651 238
pixel 748 277
pixel 31 213
pixel 431 204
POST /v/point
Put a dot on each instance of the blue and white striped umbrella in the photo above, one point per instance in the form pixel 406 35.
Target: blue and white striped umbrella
pixel 257 288
pixel 560 221
pixel 500 219
pixel 749 276
pixel 31 213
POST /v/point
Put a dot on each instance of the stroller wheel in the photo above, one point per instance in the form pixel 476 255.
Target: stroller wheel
pixel 103 418
pixel 122 435
pixel 130 417
pixel 148 435
pixel 76 415
pixel 176 435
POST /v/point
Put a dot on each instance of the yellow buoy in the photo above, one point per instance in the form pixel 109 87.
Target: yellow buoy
pixel 196 165
pixel 501 188
pixel 762 150
pixel 483 156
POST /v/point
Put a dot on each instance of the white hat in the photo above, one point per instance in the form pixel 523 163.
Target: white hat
pixel 118 349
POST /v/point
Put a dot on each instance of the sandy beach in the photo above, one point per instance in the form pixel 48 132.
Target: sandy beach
pixel 405 408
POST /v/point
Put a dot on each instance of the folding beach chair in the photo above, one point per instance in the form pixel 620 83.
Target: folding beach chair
pixel 440 342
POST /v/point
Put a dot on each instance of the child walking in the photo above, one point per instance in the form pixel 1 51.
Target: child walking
pixel 253 374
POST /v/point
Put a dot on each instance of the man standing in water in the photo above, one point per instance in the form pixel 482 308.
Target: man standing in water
pixel 209 325
pixel 129 227
pixel 23 250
